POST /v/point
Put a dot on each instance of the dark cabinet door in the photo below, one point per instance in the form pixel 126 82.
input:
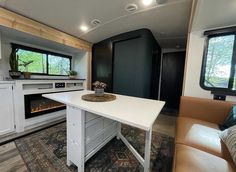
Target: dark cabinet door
pixel 125 67
pixel 172 78
pixel 102 64
pixel 132 67
pixel 128 64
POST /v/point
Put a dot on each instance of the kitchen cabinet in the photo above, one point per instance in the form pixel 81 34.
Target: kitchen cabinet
pixel 6 109
pixel 97 131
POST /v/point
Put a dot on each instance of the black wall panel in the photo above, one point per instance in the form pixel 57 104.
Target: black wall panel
pixel 129 63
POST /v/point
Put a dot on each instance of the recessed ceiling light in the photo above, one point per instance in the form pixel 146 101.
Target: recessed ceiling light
pixel 147 2
pixel 84 28
pixel 161 1
pixel 131 7
pixel 95 22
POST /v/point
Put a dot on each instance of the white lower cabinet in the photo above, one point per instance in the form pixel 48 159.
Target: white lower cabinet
pixel 6 109
pixel 97 132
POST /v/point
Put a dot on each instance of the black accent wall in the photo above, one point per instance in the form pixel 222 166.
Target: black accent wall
pixel 129 63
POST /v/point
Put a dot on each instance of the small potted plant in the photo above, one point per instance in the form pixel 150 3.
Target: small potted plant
pixel 72 74
pixel 99 88
pixel 25 65
pixel 13 61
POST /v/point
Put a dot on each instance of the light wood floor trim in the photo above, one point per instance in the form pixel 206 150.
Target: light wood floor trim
pixel 15 21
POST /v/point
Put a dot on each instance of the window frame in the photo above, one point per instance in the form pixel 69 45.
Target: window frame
pixel 37 50
pixel 216 33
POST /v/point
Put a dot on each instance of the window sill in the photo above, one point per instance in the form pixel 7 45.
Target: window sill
pixel 224 92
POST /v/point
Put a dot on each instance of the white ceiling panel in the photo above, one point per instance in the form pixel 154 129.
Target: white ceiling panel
pixel 167 22
pixel 214 14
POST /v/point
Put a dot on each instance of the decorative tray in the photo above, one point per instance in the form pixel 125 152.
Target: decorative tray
pixel 94 98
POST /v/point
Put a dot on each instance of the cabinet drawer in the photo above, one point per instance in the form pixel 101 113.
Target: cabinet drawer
pixel 93 128
pixel 110 130
pixel 90 116
pixel 93 144
pixel 107 122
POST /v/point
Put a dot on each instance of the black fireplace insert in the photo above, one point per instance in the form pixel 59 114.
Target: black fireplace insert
pixel 36 105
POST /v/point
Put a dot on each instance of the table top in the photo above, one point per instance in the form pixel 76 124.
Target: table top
pixel 134 111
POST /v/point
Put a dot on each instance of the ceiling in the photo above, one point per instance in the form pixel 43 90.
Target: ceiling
pixel 212 14
pixel 168 22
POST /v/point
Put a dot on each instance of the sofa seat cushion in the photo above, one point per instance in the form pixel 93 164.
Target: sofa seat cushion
pixel 201 135
pixel 191 159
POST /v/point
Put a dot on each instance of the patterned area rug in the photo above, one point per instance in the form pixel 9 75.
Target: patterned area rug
pixel 46 151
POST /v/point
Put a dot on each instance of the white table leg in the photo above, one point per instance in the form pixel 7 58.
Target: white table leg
pixel 118 130
pixel 68 162
pixel 81 144
pixel 75 137
pixel 148 142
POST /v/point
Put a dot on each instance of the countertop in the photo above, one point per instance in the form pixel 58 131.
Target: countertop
pixel 7 82
pixel 137 112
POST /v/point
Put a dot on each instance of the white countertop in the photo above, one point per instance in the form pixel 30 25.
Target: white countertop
pixel 137 112
pixel 7 82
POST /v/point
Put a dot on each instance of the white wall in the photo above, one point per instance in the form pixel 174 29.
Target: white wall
pixel 204 19
pixel 4 60
pixel 80 64
pixel 0 45
pixel 193 68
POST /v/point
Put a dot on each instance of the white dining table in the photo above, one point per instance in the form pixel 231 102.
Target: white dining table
pixel 133 111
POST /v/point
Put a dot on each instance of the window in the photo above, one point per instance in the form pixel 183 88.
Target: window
pixel 42 62
pixel 219 61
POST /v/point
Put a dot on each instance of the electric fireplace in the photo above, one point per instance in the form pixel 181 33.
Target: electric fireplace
pixel 36 105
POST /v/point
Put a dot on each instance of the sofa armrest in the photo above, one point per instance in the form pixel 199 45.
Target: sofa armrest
pixel 214 111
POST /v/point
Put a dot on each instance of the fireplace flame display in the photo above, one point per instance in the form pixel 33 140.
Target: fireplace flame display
pixel 44 105
pixel 36 105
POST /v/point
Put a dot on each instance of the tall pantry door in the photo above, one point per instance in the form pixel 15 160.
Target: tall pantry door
pixel 131 68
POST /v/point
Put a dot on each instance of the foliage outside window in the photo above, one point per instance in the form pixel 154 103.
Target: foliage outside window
pixel 42 62
pixel 219 62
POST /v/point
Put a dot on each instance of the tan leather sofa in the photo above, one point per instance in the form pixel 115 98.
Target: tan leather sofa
pixel 198 147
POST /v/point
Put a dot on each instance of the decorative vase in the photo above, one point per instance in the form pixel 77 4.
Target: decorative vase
pixel 27 75
pixel 14 74
pixel 72 76
pixel 99 91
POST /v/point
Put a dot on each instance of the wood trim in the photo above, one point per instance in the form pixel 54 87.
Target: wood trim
pixel 15 21
pixel 89 72
pixel 193 13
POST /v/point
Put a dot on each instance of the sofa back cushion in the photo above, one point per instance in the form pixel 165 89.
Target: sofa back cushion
pixel 228 136
pixel 214 111
pixel 230 120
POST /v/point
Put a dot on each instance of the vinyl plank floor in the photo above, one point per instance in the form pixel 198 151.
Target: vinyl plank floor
pixel 165 124
pixel 10 159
